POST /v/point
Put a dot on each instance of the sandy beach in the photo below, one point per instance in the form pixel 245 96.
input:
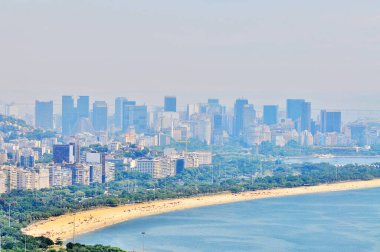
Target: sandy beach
pixel 63 226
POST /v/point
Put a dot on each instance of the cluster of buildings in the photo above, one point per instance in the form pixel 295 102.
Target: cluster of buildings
pixel 81 124
pixel 21 167
pixel 171 163
pixel 53 175
pixel 74 161
pixel 210 123
pixel 23 152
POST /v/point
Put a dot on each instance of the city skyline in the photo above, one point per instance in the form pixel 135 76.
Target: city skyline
pixel 348 115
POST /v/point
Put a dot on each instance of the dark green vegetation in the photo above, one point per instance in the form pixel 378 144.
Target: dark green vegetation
pixel 76 247
pixel 39 134
pixel 234 147
pixel 15 128
pixel 235 175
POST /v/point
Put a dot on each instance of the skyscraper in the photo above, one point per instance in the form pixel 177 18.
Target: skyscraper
pixel 134 117
pixel 118 116
pixel 217 123
pixel 64 153
pixel 170 104
pixel 330 121
pixel 358 134
pixel 44 115
pixel 213 101
pixel 306 116
pixel 294 109
pixel 239 116
pixel 83 107
pixel 300 112
pixel 270 116
pixel 217 129
pixel 249 116
pixel 68 115
pixel 100 116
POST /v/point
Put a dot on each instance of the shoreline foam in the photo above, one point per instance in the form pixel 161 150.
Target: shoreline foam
pixel 62 227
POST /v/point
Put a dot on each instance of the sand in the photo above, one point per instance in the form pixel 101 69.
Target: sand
pixel 62 227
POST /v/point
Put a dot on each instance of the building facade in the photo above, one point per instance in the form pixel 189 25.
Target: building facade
pixel 44 115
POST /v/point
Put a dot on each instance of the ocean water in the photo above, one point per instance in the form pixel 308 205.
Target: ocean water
pixel 336 221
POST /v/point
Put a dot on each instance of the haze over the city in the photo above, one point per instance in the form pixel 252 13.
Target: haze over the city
pixel 198 125
pixel 266 51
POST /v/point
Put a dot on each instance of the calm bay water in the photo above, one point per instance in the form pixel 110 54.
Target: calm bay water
pixel 337 221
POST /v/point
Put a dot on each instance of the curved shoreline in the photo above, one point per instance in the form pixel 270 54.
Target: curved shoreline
pixel 62 227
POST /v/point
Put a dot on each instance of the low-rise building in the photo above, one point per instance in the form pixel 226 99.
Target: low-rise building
pixel 198 158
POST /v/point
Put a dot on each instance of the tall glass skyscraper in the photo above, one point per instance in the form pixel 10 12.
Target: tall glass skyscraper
pixel 100 116
pixel 118 116
pixel 358 134
pixel 170 104
pixel 331 121
pixel 71 114
pixel 83 106
pixel 64 153
pixel 270 116
pixel 306 116
pixel 300 112
pixel 294 109
pixel 44 115
pixel 68 115
pixel 134 117
pixel 239 116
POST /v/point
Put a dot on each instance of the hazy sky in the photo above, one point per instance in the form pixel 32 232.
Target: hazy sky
pixel 325 51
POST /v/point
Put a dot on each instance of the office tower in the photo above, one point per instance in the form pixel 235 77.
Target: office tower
pixel 358 134
pixel 26 157
pixel 217 123
pixel 95 173
pixel 83 107
pixel 330 121
pixel 118 116
pixel 44 115
pixel 100 170
pixel 134 117
pixel 64 153
pixel 249 116
pixel 294 109
pixel 179 165
pixel 213 107
pixel 192 109
pixel 300 112
pixel 270 116
pixel 213 101
pixel 99 116
pixel 201 127
pixel 27 161
pixel 170 104
pixel 217 129
pixel 306 117
pixel 239 116
pixel 68 115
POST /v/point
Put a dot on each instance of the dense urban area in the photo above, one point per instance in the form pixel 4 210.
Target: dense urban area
pixel 83 158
